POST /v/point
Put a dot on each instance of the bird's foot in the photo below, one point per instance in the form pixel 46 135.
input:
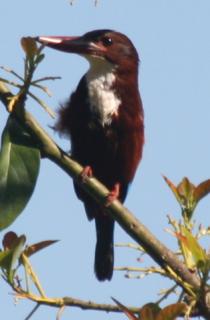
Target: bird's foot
pixel 113 195
pixel 87 172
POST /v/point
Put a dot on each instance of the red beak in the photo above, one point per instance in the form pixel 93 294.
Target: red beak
pixel 78 45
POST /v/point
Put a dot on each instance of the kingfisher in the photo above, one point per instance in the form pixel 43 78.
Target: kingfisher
pixel 104 120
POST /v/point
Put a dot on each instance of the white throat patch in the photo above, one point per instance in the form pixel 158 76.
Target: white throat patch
pixel 104 102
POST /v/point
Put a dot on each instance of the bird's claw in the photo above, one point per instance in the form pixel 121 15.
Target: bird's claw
pixel 113 195
pixel 86 173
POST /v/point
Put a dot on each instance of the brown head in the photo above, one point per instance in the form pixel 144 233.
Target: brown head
pixel 108 45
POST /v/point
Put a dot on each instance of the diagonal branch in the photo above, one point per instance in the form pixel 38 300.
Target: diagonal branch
pixel 158 251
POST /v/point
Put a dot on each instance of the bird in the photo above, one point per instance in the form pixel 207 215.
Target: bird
pixel 104 120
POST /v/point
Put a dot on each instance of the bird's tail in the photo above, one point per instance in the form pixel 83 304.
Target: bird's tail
pixel 104 254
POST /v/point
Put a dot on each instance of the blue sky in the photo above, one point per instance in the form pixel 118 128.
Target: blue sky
pixel 172 38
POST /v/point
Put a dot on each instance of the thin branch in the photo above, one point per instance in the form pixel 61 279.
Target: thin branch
pixel 32 312
pixel 60 312
pixel 32 274
pixel 12 72
pixel 130 245
pixel 144 271
pixel 12 83
pixel 42 104
pixel 167 293
pixel 44 89
pixel 71 302
pixel 45 79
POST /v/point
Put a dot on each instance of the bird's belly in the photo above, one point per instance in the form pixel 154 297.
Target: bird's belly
pixel 98 149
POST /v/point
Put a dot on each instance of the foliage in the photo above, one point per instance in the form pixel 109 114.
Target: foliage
pixel 14 254
pixel 19 168
pixel 188 195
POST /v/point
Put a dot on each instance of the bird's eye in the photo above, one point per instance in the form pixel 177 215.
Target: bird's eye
pixel 107 41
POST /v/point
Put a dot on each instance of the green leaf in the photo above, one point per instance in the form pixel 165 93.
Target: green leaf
pixel 171 312
pixel 10 257
pixel 16 253
pixel 19 168
pixel 193 253
pixel 5 259
pixel 185 195
pixel 39 58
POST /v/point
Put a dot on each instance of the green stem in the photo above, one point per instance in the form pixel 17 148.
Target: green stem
pixel 32 274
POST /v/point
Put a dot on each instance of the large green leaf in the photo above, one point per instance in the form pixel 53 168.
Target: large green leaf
pixel 19 168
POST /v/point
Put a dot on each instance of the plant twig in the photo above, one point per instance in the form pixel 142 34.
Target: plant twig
pixel 32 312
pixel 32 274
pixel 144 271
pixel 12 83
pixel 60 312
pixel 12 72
pixel 42 104
pixel 45 79
pixel 130 245
pixel 167 293
pixel 69 301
